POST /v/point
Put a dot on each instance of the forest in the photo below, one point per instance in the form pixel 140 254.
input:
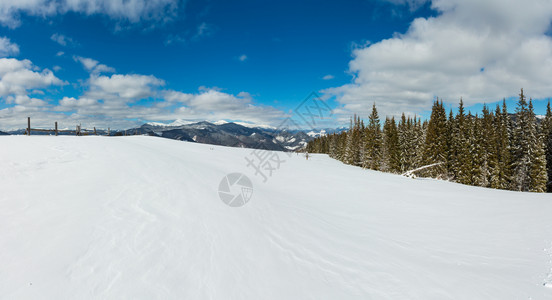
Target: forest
pixel 494 149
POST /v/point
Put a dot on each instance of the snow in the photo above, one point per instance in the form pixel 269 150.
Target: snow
pixel 157 124
pixel 280 138
pixel 175 123
pixel 251 125
pixel 140 217
pixel 180 122
pixel 317 134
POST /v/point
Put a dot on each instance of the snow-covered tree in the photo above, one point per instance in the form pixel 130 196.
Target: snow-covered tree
pixel 372 142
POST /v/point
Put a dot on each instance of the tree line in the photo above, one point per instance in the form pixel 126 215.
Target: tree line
pixel 492 149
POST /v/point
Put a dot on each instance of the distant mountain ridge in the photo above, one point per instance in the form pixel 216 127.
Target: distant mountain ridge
pixel 223 133
pixel 232 134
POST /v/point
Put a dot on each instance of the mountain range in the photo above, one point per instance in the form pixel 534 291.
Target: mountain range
pixel 233 134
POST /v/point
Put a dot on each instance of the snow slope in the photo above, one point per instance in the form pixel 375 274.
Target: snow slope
pixel 140 218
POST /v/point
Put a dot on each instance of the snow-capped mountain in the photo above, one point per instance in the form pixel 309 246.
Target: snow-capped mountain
pixel 224 133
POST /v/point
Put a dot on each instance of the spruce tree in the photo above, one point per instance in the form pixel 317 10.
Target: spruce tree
pixel 547 141
pixel 349 151
pixel 372 142
pixel 435 148
pixel 537 174
pixel 391 151
pixel 459 144
pixel 529 156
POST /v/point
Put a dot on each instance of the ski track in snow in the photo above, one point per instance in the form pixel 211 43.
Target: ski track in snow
pixel 140 218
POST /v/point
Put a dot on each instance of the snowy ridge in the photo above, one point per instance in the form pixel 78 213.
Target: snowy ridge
pixel 89 217
pixel 251 125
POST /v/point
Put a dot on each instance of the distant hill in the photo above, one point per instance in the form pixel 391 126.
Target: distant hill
pixel 220 133
pixel 231 134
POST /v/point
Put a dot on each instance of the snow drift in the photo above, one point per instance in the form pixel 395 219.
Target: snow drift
pixel 140 217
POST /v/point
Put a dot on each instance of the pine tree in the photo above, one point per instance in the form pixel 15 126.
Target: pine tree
pixel 501 171
pixel 491 150
pixel 391 151
pixel 547 141
pixel 451 158
pixel 372 142
pixel 403 144
pixel 459 144
pixel 521 146
pixel 537 173
pixel 435 148
pixel 486 141
pixel 529 155
pixel 419 140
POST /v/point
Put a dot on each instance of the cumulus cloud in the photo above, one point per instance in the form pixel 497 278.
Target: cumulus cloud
pixel 213 104
pixel 478 50
pixel 122 86
pixel 7 48
pixel 18 80
pixel 17 77
pixel 123 10
pixel 93 66
pixel 242 57
pixel 115 101
pixel 328 77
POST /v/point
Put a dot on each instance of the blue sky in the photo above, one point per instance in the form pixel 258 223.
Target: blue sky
pixel 118 64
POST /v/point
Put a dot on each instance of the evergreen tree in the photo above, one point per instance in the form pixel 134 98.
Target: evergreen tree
pixel 486 140
pixel 451 153
pixel 460 148
pixel 537 173
pixel 419 135
pixel 435 148
pixel 349 151
pixel 501 171
pixel 491 150
pixel 391 150
pixel 372 142
pixel 547 141
pixel 529 155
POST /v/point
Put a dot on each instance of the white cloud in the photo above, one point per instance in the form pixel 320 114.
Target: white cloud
pixel 24 100
pixel 70 103
pixel 129 11
pixel 111 101
pixel 7 48
pixel 328 77
pixel 242 57
pixel 60 53
pixel 127 87
pixel 213 104
pixel 478 50
pixel 19 76
pixel 93 66
pixel 62 39
pixel 18 80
